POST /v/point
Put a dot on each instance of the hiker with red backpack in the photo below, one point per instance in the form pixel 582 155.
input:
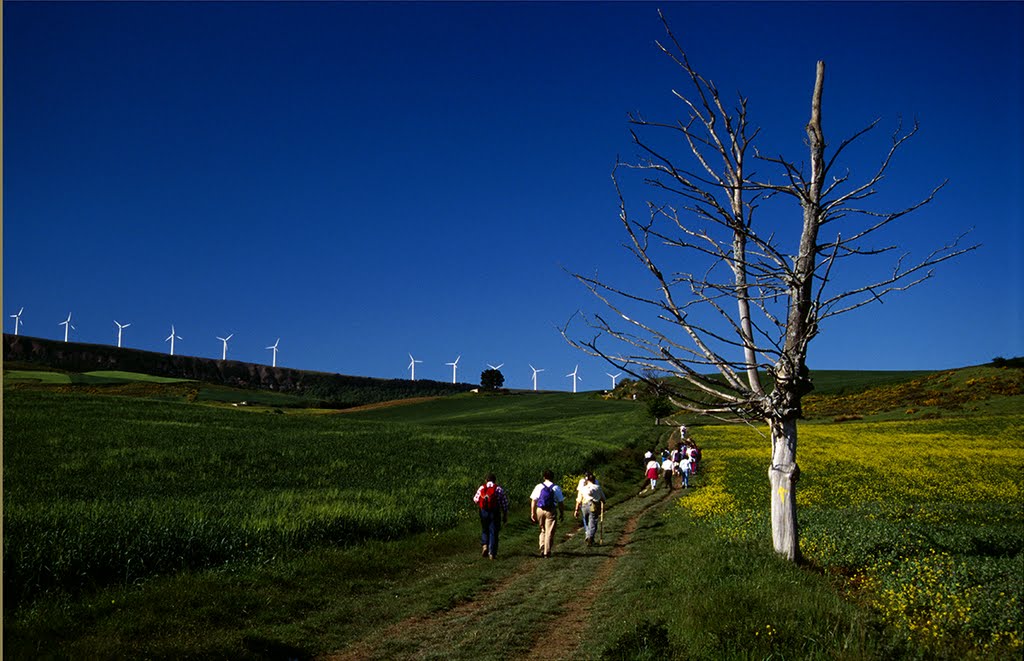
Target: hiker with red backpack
pixel 493 505
pixel 546 503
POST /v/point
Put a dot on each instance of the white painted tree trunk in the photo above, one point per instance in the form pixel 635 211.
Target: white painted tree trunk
pixel 783 474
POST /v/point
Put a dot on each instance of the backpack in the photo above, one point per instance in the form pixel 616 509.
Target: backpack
pixel 546 499
pixel 489 497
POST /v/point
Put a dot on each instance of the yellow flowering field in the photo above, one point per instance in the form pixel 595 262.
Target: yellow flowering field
pixel 925 518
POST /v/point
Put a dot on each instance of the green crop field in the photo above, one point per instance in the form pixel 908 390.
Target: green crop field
pixel 101 490
pixel 152 494
pixel 97 377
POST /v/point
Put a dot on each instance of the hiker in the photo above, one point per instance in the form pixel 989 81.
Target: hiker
pixel 590 501
pixel 651 474
pixel 493 505
pixel 546 502
pixel 684 469
pixel 694 454
pixel 666 469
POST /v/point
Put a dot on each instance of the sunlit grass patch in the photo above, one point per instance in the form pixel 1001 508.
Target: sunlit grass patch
pixel 34 376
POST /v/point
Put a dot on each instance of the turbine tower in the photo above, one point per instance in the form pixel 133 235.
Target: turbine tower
pixel 535 370
pixel 17 320
pixel 455 366
pixel 575 377
pixel 273 347
pixel 412 367
pixel 614 376
pixel 224 356
pixel 120 327
pixel 67 326
pixel 171 338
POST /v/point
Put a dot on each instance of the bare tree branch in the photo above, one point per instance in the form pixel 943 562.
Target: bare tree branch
pixel 729 302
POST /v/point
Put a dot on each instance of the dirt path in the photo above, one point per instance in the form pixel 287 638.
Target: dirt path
pixel 431 634
pixel 385 405
pixel 416 628
pixel 564 636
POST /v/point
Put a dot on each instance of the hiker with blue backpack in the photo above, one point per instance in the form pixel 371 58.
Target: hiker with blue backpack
pixel 493 505
pixel 547 506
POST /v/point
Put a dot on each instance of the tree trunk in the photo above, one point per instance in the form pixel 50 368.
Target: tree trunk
pixel 783 474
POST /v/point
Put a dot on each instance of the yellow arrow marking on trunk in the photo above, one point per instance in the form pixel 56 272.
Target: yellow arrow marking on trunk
pixel 782 494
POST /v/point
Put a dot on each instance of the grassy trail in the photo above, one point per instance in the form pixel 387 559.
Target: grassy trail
pixel 536 608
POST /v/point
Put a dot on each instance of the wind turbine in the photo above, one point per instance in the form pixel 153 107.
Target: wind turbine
pixel 455 366
pixel 535 370
pixel 17 320
pixel 172 337
pixel 412 367
pixel 614 376
pixel 495 367
pixel 67 326
pixel 120 327
pixel 224 356
pixel 574 377
pixel 273 348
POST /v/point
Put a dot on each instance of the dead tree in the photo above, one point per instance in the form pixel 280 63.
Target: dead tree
pixel 735 305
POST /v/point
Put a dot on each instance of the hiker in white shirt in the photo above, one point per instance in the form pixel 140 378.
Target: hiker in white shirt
pixel 666 469
pixel 547 506
pixel 651 474
pixel 590 501
pixel 684 470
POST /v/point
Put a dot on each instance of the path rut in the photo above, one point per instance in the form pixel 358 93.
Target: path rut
pixel 429 634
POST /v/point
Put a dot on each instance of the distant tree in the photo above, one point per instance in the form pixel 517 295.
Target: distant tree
pixel 706 256
pixel 491 379
pixel 660 407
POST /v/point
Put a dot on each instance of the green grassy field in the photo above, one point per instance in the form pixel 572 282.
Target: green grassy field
pixel 133 384
pixel 101 490
pixel 98 377
pixel 158 526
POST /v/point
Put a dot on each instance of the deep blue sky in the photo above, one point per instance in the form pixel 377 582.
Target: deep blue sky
pixel 369 180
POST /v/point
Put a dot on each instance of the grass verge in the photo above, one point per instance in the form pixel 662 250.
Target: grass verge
pixel 677 592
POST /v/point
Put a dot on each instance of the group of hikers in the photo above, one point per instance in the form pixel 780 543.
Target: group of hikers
pixel 547 502
pixel 547 508
pixel 682 460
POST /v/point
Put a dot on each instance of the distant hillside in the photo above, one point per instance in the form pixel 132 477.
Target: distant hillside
pixel 335 390
pixel 926 395
pixel 852 394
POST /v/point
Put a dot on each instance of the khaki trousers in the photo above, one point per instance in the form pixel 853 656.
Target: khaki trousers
pixel 547 521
